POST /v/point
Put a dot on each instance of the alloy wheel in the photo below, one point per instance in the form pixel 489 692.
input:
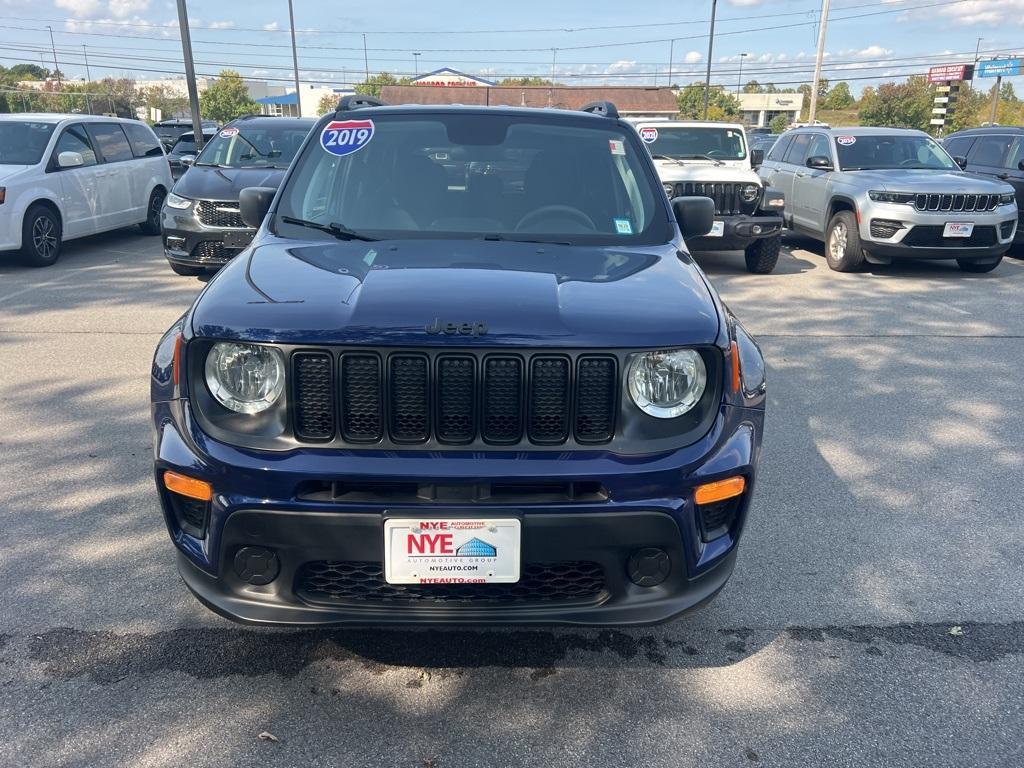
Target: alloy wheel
pixel 837 243
pixel 44 237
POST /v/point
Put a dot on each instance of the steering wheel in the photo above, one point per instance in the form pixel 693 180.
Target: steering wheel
pixel 554 211
pixel 909 161
pixel 717 153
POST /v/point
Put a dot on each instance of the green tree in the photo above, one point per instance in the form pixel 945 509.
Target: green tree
pixel 525 81
pixel 327 103
pixel 227 98
pixel 167 100
pixel 899 105
pixel 779 123
pixel 753 87
pixel 375 83
pixel 722 105
pixel 839 97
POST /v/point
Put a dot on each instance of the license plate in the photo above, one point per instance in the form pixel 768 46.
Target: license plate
pixel 237 239
pixel 451 551
pixel 958 229
pixel 717 229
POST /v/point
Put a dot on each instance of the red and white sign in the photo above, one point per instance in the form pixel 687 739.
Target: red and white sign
pixel 958 229
pixel 451 551
pixel 948 72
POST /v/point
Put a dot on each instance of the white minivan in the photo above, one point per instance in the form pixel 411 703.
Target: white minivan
pixel 67 176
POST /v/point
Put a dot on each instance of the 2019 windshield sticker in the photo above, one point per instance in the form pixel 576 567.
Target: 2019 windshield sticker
pixel 343 137
pixel 649 134
pixel 846 141
pixel 623 226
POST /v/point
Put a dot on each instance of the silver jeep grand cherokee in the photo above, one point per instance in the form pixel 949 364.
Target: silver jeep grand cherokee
pixel 875 194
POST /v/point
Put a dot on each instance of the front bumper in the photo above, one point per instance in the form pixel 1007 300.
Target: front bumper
pixel 738 232
pixel 920 233
pixel 649 503
pixel 190 243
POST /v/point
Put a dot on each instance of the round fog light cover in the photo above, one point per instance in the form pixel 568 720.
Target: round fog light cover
pixel 246 378
pixel 749 192
pixel 649 567
pixel 667 384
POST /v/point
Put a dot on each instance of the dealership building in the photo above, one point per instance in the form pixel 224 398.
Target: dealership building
pixel 757 110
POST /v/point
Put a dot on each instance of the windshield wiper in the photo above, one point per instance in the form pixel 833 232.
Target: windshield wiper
pixel 212 165
pixel 506 238
pixel 714 160
pixel 666 157
pixel 340 231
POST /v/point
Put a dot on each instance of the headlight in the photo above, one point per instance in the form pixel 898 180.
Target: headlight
pixel 670 189
pixel 246 378
pixel 880 196
pixel 181 203
pixel 667 384
pixel 1007 198
pixel 749 192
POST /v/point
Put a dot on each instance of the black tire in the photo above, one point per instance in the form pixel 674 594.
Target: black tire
pixel 843 250
pixel 762 255
pixel 41 236
pixel 184 271
pixel 979 267
pixel 151 226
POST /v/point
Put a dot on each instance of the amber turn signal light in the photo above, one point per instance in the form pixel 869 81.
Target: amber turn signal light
pixel 188 486
pixel 735 355
pixel 720 490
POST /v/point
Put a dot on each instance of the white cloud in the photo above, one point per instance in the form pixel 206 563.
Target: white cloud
pixel 272 26
pixel 123 8
pixel 744 3
pixel 221 24
pixel 693 57
pixel 80 8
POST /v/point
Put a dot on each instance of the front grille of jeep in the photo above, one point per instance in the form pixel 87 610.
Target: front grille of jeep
pixel 454 398
pixel 220 213
pixel 945 203
pixel 331 582
pixel 726 196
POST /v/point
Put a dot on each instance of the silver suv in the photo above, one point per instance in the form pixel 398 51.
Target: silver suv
pixel 875 194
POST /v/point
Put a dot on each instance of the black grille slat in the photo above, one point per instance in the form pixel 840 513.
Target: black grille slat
pixel 220 213
pixel 363 582
pixel 930 236
pixel 944 203
pixel 503 399
pixel 408 398
pixel 549 400
pixel 456 399
pixel 596 401
pixel 361 398
pixel 313 380
pixel 214 251
pixel 726 197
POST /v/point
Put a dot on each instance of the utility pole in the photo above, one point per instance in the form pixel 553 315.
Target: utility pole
pixel 739 80
pixel 995 100
pixel 822 28
pixel 554 52
pixel 88 79
pixel 671 53
pixel 366 59
pixel 190 74
pixel 711 48
pixel 295 62
pixel 416 62
pixel 56 66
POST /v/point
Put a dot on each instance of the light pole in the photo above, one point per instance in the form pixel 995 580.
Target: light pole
pixel 88 79
pixel 366 59
pixel 671 53
pixel 295 62
pixel 416 62
pixel 711 48
pixel 190 74
pixel 822 28
pixel 56 66
pixel 739 80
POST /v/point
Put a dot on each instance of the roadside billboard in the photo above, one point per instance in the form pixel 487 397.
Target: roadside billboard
pixel 950 73
pixel 999 68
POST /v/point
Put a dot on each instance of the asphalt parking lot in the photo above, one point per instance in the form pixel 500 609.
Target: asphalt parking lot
pixel 876 616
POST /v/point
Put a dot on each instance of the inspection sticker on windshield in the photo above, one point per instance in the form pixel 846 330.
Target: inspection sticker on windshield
pixel 617 147
pixel 846 141
pixel 227 133
pixel 343 137
pixel 623 226
pixel 649 134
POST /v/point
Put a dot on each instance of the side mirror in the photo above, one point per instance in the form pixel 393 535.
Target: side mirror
pixel 70 160
pixel 1020 165
pixel 696 215
pixel 188 160
pixel 961 161
pixel 819 163
pixel 254 203
pixel 756 157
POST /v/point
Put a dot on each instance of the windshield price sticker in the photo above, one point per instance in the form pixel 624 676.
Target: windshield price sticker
pixel 846 141
pixel 623 226
pixel 227 133
pixel 343 137
pixel 649 135
pixel 617 147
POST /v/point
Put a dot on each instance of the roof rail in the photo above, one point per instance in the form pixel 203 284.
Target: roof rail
pixel 602 108
pixel 357 101
pixel 248 117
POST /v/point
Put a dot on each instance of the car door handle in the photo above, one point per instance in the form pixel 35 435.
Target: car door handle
pixel 801 175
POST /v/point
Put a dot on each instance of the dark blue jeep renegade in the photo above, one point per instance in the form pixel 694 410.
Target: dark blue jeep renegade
pixel 466 372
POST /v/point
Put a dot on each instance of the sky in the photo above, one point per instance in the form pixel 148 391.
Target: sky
pixel 591 42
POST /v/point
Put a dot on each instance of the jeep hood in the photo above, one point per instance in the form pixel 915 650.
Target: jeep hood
pixel 388 292
pixel 923 180
pixel 703 171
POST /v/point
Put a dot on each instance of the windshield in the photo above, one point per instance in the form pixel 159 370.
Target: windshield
pixel 863 153
pixel 475 176
pixel 249 146
pixel 186 145
pixel 693 142
pixel 23 142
